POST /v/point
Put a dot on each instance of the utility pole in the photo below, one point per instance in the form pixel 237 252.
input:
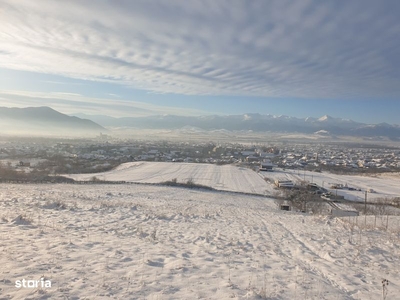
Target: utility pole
pixel 365 203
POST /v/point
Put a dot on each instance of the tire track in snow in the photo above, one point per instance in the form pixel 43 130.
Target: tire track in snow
pixel 272 230
pixel 307 265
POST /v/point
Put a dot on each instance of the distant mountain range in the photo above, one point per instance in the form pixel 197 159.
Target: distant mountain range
pixel 325 125
pixel 44 121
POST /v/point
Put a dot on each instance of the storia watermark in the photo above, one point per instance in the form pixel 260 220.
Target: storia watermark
pixel 31 284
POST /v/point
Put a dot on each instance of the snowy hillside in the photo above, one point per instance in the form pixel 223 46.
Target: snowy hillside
pixel 228 177
pixel 151 242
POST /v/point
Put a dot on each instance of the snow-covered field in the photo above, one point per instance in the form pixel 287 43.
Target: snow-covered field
pixel 238 179
pixel 155 242
pixel 227 177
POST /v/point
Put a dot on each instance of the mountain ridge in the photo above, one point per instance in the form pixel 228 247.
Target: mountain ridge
pixel 255 122
pixel 44 120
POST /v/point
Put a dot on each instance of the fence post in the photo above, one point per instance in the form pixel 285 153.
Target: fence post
pixel 365 203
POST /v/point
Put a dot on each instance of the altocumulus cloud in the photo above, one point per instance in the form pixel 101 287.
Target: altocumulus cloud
pixel 71 103
pixel 282 48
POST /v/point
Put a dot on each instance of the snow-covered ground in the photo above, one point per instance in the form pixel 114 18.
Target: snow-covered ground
pixel 227 177
pixel 154 242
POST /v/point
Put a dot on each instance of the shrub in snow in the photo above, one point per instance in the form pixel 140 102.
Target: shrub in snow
pixel 22 220
pixel 57 204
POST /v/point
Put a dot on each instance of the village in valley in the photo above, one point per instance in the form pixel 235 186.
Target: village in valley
pixel 325 170
pixel 66 154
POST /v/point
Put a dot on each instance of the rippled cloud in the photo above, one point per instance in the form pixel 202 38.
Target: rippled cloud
pixel 71 103
pixel 282 48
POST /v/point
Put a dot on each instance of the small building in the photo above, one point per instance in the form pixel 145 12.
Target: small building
pixel 266 166
pixel 284 183
pixel 152 152
pixel 252 158
pixel 248 153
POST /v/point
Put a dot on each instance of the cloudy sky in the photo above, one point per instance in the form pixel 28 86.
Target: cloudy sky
pixel 293 57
